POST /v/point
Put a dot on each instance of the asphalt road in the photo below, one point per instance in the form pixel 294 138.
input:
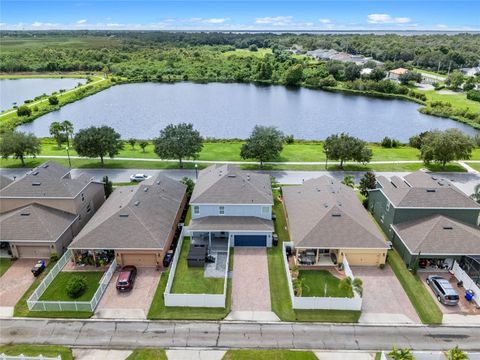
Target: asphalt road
pixel 464 181
pixel 133 334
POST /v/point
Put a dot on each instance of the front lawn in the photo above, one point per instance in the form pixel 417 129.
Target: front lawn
pixel 322 283
pixel 5 263
pixel 57 291
pixel 474 165
pixel 422 301
pixel 35 350
pixel 191 280
pixel 269 355
pixel 148 354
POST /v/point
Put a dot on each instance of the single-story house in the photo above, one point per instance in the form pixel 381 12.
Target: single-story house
pixel 327 222
pixel 396 73
pixel 137 222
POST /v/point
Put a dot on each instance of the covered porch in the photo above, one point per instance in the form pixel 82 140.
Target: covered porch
pixel 90 259
pixel 213 240
pixel 315 257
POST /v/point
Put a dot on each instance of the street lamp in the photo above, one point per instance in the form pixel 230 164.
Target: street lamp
pixel 196 171
pixel 69 161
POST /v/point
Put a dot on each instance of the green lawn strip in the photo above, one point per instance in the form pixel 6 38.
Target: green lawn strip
pixel 191 280
pixel 322 283
pixel 188 216
pixel 147 354
pixel 269 355
pixel 57 291
pixel 4 265
pixel 476 166
pixel 422 301
pixel 21 308
pixel 378 356
pixel 458 100
pixel 35 350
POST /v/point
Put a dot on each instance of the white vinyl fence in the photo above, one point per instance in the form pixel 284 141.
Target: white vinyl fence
pixel 314 302
pixel 35 304
pixel 193 300
pixel 468 283
pixel 24 357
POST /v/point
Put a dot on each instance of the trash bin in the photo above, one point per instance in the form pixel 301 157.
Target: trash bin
pixel 469 294
pixel 275 239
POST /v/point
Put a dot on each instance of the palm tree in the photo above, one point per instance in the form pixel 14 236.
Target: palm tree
pixel 349 181
pixel 476 193
pixel 401 354
pixel 346 284
pixel 358 286
pixel 456 354
pixel 299 285
pixel 67 128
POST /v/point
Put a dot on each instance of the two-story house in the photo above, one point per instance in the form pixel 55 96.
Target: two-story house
pixel 229 204
pixel 41 212
pixel 427 218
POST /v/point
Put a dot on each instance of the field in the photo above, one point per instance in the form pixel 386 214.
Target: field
pixel 458 100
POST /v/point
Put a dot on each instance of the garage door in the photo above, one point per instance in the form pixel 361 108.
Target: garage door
pixel 33 252
pixel 139 259
pixel 250 240
pixel 359 259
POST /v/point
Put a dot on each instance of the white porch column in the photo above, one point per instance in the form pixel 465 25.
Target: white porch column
pixel 209 240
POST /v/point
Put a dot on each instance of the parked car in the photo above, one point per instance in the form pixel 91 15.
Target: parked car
pixel 139 177
pixel 444 291
pixel 38 268
pixel 126 278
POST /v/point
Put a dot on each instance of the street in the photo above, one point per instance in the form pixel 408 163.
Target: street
pixel 134 334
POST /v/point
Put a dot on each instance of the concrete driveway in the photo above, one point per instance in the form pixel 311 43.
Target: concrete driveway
pixel 13 284
pixel 384 300
pixel 133 304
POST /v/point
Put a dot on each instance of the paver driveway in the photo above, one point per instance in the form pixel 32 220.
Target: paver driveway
pixel 251 287
pixel 16 280
pixel 132 304
pixel 384 300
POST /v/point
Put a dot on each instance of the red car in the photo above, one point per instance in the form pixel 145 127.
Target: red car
pixel 126 278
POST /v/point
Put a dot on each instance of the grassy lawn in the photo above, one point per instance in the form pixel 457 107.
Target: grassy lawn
pixel 279 295
pixel 260 53
pixel 458 100
pixel 317 281
pixel 269 355
pixel 158 310
pixel 476 166
pixel 148 354
pixel 35 350
pixel 191 280
pixel 56 291
pixel 4 265
pixel 422 301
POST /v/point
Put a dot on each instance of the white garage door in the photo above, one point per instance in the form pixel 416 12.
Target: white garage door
pixel 33 252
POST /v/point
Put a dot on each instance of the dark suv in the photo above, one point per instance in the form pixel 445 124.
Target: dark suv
pixel 444 291
pixel 126 278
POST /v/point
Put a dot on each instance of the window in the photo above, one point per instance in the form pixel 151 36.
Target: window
pixel 388 206
pixel 265 209
pixel 221 210
pixel 196 210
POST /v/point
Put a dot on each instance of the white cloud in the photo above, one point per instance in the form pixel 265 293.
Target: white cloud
pixel 387 19
pixel 441 26
pixel 275 20
pixel 208 21
pixel 80 22
pixel 325 21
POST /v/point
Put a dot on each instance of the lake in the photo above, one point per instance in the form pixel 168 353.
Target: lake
pixel 221 110
pixel 16 91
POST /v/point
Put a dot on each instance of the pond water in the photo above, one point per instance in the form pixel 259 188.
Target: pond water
pixel 221 110
pixel 16 91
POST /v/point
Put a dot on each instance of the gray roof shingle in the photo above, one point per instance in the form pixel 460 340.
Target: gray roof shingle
pixel 227 184
pixel 4 181
pixel 231 223
pixel 327 214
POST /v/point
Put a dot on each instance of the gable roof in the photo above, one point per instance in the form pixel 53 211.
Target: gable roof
pixel 439 234
pixel 4 181
pixel 47 180
pixel 325 213
pixel 227 184
pixel 135 217
pixel 34 223
pixel 399 71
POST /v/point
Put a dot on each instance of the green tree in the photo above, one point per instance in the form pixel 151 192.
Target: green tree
pixel 189 184
pixel 107 186
pixel 24 110
pixel 367 182
pixel 401 354
pixel 264 144
pixel 349 181
pixel 132 143
pixel 56 130
pixel 343 147
pixel 409 77
pixel 456 354
pixel 446 146
pixel 253 47
pixel 53 100
pixel 18 145
pixel 179 142
pixel 143 144
pixel 299 285
pixel 455 80
pixel 351 71
pixel 98 142
pixel 294 75
pixel 67 129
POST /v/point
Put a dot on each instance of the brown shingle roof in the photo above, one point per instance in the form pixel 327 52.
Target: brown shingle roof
pixel 227 184
pixel 231 223
pixel 325 213
pixel 34 222
pixel 439 234
pixel 135 217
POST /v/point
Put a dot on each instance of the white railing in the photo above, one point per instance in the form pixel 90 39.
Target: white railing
pixel 314 302
pixel 25 357
pixel 468 283
pixel 34 304
pixel 193 300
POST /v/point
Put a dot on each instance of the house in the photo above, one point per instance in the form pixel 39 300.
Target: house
pixel 423 214
pixel 471 72
pixel 229 204
pixel 41 212
pixel 396 73
pixel 326 222
pixel 137 223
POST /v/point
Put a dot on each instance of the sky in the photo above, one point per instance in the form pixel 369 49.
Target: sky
pixel 241 15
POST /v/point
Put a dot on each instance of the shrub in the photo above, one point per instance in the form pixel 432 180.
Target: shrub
pixel 473 95
pixel 386 142
pixel 24 110
pixel 53 100
pixel 53 257
pixel 289 139
pixel 76 286
pixel 253 47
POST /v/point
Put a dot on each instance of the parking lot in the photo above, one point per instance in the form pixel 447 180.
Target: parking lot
pixel 133 304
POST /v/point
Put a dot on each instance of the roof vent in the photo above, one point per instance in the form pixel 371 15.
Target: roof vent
pixel 434 178
pixel 145 190
pixel 123 215
pixel 233 175
pixel 325 205
pixel 35 173
pixel 431 190
pixel 447 227
pixel 336 214
pixel 36 184
pixel 45 166
pixel 158 182
pixel 25 214
pixel 136 203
